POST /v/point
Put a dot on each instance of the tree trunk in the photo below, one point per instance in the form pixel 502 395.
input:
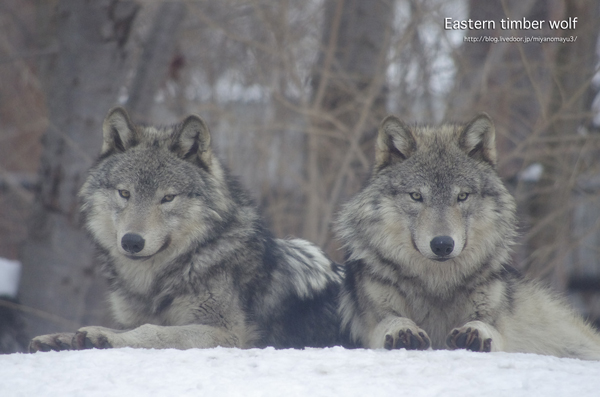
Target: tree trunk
pixel 156 58
pixel 82 81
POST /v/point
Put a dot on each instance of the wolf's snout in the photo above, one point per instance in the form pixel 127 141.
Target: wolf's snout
pixel 442 245
pixel 132 243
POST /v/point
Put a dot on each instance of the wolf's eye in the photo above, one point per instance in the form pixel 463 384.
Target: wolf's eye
pixel 168 198
pixel 124 193
pixel 463 196
pixel 416 196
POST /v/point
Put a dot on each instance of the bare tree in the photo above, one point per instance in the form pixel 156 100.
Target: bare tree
pixel 156 58
pixel 348 101
pixel 566 153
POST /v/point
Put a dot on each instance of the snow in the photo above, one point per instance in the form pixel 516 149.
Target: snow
pixel 311 372
pixel 10 274
pixel 533 173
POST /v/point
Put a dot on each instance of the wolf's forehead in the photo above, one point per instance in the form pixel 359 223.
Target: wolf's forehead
pixel 150 169
pixel 439 169
pixel 437 180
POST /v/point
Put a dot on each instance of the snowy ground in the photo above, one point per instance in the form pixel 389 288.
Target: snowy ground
pixel 311 372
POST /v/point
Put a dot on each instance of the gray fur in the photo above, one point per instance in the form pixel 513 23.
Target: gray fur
pixel 188 260
pixel 429 248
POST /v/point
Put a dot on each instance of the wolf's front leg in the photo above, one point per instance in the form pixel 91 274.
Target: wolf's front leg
pixel 147 336
pixel 398 333
pixel 476 336
pixel 151 336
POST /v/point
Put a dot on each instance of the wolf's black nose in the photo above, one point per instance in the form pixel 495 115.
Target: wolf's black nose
pixel 132 243
pixel 442 245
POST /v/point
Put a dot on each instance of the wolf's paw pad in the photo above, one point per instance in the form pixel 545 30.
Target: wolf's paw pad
pixel 88 339
pixel 51 342
pixel 470 339
pixel 408 340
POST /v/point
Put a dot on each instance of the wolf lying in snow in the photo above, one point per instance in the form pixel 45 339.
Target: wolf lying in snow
pixel 187 258
pixel 429 240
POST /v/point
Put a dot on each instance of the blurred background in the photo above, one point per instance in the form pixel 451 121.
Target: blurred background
pixel 293 92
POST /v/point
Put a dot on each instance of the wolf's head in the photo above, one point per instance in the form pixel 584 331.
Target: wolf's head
pixel 434 196
pixel 153 190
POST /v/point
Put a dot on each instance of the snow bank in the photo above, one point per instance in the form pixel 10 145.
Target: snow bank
pixel 311 372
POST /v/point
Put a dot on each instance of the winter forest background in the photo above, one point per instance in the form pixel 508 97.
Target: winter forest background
pixel 293 92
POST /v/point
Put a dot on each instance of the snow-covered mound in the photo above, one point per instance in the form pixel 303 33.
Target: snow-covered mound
pixel 310 372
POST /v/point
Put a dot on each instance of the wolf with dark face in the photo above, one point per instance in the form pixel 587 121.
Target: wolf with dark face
pixel 188 260
pixel 428 243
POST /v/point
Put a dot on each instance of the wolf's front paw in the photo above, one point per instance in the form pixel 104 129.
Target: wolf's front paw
pixel 469 338
pixel 52 342
pixel 397 333
pixel 92 338
pixel 407 339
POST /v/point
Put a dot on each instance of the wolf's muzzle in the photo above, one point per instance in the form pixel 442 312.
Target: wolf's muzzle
pixel 442 245
pixel 132 243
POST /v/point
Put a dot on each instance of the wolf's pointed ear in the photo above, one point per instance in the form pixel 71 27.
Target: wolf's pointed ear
pixel 395 142
pixel 192 141
pixel 478 139
pixel 119 132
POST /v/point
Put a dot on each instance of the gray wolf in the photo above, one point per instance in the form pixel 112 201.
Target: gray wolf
pixel 429 242
pixel 188 260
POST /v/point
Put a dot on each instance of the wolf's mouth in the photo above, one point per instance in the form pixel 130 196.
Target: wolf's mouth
pixel 440 259
pixel 161 249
